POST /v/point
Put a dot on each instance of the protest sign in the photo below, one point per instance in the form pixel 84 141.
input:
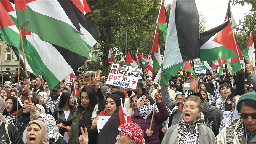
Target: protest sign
pixel 123 76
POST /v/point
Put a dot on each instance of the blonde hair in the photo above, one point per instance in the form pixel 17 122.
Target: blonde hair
pixel 198 101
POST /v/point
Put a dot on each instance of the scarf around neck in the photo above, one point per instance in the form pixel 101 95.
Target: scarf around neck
pixel 191 136
pixel 146 110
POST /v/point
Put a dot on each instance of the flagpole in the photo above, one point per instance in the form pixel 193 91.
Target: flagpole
pixel 2 75
pixel 18 85
pixel 24 59
pixel 159 85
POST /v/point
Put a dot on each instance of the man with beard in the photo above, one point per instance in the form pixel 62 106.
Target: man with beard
pixel 37 86
pixel 24 91
pixel 53 100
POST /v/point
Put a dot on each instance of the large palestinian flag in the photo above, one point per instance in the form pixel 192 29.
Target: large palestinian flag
pixel 218 43
pixel 55 62
pixel 182 41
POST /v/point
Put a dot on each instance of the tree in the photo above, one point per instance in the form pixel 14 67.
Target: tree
pixel 246 25
pixel 115 18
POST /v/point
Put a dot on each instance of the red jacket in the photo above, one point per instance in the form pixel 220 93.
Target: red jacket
pixel 159 117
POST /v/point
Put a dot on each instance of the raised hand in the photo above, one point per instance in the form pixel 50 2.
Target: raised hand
pixel 249 66
pixel 83 138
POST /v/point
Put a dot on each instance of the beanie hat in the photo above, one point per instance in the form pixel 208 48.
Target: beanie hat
pixel 248 96
pixel 116 98
pixel 133 131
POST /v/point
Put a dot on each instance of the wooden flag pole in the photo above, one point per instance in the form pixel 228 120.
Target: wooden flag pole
pixel 159 85
pixel 2 75
pixel 18 85
pixel 24 59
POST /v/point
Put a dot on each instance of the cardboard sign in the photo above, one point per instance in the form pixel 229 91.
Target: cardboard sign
pixel 123 76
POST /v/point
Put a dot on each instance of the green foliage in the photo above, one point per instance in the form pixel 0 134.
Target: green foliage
pixel 116 17
pixel 246 25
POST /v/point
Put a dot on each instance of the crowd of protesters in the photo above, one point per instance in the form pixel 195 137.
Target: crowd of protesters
pixel 220 109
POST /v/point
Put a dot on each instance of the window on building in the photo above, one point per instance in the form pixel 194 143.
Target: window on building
pixel 8 54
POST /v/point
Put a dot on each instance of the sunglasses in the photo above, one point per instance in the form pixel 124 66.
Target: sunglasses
pixel 245 115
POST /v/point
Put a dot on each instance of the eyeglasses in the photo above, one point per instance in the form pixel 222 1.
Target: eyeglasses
pixel 245 115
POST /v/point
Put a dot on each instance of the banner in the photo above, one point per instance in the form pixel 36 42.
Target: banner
pixel 123 76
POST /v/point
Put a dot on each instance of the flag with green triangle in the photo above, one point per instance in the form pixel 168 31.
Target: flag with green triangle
pixel 156 56
pixel 161 21
pixel 129 61
pixel 218 43
pixel 189 69
pixel 249 50
pixel 141 61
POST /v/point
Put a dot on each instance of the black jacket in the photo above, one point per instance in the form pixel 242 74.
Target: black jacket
pixel 60 118
pixel 12 132
pixel 22 122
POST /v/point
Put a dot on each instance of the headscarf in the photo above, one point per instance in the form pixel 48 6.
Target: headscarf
pixel 104 89
pixel 2 107
pixel 44 136
pixel 121 94
pixel 133 131
pixel 116 98
pixel 52 129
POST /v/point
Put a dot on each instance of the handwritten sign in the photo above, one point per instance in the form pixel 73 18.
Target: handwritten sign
pixel 123 76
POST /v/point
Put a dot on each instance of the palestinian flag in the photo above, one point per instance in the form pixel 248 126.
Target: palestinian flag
pixel 149 67
pixel 249 51
pixel 189 69
pixel 143 56
pixel 53 61
pixel 156 56
pixel 234 62
pixel 110 56
pixel 218 43
pixel 220 70
pixel 177 109
pixel 10 33
pixel 189 85
pixel 129 61
pixel 161 20
pixel 182 42
pixel 141 61
pixel 48 20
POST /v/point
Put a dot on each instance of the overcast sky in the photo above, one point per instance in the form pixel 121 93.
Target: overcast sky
pixel 214 11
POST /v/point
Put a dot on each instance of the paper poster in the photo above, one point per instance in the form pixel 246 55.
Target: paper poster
pixel 123 76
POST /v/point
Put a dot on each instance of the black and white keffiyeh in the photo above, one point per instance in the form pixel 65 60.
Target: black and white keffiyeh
pixel 52 129
pixel 52 104
pixel 145 110
pixel 191 136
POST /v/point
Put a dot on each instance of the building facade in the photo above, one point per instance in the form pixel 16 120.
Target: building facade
pixel 8 57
